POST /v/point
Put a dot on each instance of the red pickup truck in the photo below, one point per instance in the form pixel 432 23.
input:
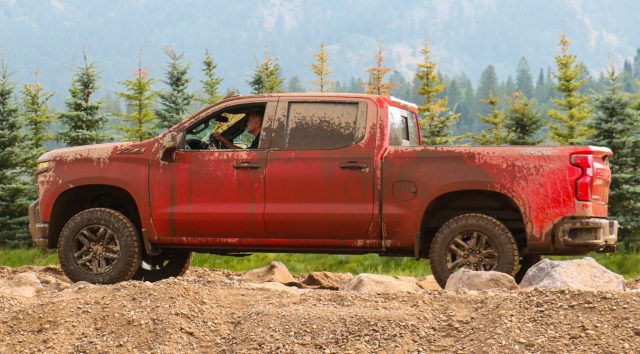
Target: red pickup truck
pixel 329 173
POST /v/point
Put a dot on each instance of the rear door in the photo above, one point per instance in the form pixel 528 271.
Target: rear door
pixel 320 170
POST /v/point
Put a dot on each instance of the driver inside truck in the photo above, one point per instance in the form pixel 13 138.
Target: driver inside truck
pixel 253 127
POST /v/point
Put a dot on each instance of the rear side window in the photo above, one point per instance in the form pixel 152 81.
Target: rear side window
pixel 317 125
pixel 403 127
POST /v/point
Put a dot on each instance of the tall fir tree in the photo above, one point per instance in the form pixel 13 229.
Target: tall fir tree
pixel 267 77
pixel 35 112
pixel 400 87
pixel 627 79
pixel 139 96
pixel 541 91
pixel 211 82
pixel 617 126
pixel 524 121
pixel 570 120
pixel 322 71
pixel 436 121
pixel 295 84
pixel 176 100
pixel 509 87
pixel 83 119
pixel 524 81
pixel 487 87
pixel 16 188
pixel 496 120
pixel 376 84
pixel 636 64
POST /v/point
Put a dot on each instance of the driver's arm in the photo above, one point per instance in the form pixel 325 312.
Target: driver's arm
pixel 226 142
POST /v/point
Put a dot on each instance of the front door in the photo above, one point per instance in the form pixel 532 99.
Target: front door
pixel 210 193
pixel 320 171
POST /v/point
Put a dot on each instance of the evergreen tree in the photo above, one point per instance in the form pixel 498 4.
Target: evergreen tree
pixel 523 122
pixel 376 84
pixel 355 85
pixel 176 100
pixel 636 65
pixel 139 121
pixel 571 118
pixel 295 84
pixel 16 190
pixel 83 118
pixel 35 110
pixel 627 81
pixel 617 126
pixel 524 81
pixel 267 77
pixel 211 82
pixel 321 71
pixel 487 87
pixel 541 91
pixel 435 120
pixel 399 85
pixel 509 87
pixel 496 134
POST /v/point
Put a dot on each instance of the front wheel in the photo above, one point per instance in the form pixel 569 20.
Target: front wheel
pixel 472 241
pixel 163 266
pixel 99 246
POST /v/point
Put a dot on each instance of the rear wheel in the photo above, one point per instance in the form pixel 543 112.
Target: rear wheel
pixel 472 241
pixel 163 266
pixel 99 246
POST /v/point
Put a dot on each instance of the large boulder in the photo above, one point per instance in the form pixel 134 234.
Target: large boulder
pixel 326 280
pixel 580 274
pixel 274 272
pixel 374 283
pixel 23 284
pixel 478 281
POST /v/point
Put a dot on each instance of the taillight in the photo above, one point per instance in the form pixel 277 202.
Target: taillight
pixel 583 183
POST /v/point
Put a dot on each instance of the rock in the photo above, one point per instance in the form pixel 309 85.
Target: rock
pixel 428 283
pixel 374 283
pixel 23 284
pixel 79 285
pixel 478 281
pixel 52 283
pixel 579 274
pixel 274 272
pixel 327 280
pixel 276 286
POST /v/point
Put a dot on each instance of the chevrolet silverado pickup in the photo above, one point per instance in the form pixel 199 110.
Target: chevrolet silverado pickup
pixel 331 173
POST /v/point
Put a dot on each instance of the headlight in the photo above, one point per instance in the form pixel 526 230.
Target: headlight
pixel 43 167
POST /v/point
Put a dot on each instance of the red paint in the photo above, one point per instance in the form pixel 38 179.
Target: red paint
pixel 301 200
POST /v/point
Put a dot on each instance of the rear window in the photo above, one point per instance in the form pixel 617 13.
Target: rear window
pixel 316 125
pixel 403 127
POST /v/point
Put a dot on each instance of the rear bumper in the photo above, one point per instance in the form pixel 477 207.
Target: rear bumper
pixel 586 235
pixel 39 230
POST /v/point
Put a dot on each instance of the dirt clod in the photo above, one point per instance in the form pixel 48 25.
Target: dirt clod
pixel 211 311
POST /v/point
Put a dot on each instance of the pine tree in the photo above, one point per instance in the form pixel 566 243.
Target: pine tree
pixel 627 80
pixel 83 118
pixel 267 77
pixel 571 118
pixel 35 112
pixel 176 100
pixel 509 87
pixel 524 81
pixel 523 121
pixel 211 82
pixel 636 64
pixel 541 91
pixel 295 84
pixel 376 84
pixel 487 87
pixel 435 120
pixel 617 125
pixel 321 71
pixel 496 134
pixel 140 121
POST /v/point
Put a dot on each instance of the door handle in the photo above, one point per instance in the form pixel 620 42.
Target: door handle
pixel 246 165
pixel 352 165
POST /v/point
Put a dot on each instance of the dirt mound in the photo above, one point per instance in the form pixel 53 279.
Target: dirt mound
pixel 208 311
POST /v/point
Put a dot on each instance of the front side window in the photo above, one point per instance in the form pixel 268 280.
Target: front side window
pixel 317 125
pixel 403 127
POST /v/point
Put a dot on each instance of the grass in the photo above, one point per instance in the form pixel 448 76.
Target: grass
pixel 624 262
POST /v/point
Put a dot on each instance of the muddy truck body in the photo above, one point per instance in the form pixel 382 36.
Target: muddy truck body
pixel 332 173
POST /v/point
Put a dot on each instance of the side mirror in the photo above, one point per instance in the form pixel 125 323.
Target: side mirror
pixel 169 145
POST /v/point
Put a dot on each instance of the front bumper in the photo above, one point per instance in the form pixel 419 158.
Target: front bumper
pixel 586 235
pixel 39 230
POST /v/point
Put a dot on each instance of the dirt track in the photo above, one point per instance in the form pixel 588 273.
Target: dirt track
pixel 205 311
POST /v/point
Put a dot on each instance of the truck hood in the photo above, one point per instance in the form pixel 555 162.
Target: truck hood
pixel 98 152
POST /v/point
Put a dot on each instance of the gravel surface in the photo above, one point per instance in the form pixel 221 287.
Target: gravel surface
pixel 211 311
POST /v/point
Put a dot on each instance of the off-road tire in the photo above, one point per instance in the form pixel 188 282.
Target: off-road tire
pixel 495 233
pixel 526 262
pixel 174 264
pixel 123 232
